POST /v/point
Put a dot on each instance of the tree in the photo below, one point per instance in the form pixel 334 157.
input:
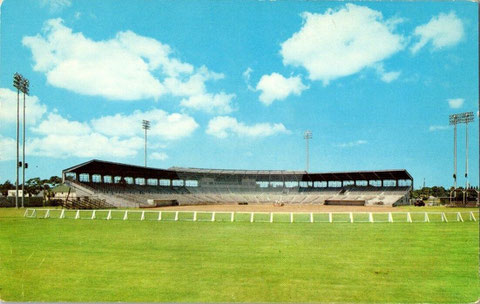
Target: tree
pixel 5 187
pixel 33 186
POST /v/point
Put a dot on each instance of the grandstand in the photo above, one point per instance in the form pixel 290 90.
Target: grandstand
pixel 123 185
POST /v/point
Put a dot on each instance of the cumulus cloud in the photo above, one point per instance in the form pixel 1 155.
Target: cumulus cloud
pixel 341 42
pixel 386 76
pixel 223 126
pixel 126 67
pixel 437 128
pixel 159 155
pixel 90 145
pixel 441 31
pixel 57 125
pixel 55 5
pixel 7 148
pixel 108 136
pixel 455 103
pixel 220 103
pixel 246 78
pixel 162 124
pixel 277 87
pixel 352 144
pixel 8 107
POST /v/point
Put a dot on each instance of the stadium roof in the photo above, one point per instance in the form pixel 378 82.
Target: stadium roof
pixel 118 169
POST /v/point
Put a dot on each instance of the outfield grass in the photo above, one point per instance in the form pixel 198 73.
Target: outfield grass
pixel 84 260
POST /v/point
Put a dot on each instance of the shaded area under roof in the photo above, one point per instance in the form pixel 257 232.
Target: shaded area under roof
pixel 118 169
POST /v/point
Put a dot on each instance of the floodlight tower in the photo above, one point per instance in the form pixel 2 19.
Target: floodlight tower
pixel 146 126
pixel 307 135
pixel 467 117
pixel 17 83
pixel 454 120
pixel 25 90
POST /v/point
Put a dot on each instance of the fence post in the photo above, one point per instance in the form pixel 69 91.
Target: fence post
pixel 194 216
pixel 34 213
pixel 125 215
pixel 444 217
pixel 109 216
pixel 213 216
pixel 271 217
pixel 232 217
pixel 291 217
pixel 77 215
pixel 472 217
pixel 176 215
pixel 311 217
pixel 351 217
pixel 251 217
pixel 427 219
pixel 459 217
pixel 370 217
pixel 409 218
pixel 47 214
pixel 25 213
pixel 62 214
pixel 159 215
pixel 93 215
pixel 390 217
pixel 142 218
pixel 330 218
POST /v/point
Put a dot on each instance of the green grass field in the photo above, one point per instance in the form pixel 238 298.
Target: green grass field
pixel 85 260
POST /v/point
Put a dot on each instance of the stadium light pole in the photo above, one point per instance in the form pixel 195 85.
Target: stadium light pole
pixel 455 119
pixel 307 135
pixel 146 126
pixel 17 83
pixel 25 89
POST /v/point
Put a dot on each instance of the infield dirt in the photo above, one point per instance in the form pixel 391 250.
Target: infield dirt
pixel 285 208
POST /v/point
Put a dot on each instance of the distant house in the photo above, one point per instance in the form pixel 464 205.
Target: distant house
pixel 61 192
pixel 12 193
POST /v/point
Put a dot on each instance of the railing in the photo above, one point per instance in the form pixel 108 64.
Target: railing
pixel 267 217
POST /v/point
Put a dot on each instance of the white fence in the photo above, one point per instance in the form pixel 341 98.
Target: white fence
pixel 266 217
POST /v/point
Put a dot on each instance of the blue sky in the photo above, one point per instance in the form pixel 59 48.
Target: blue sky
pixel 234 84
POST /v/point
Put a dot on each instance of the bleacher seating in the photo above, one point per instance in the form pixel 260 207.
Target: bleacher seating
pixel 142 195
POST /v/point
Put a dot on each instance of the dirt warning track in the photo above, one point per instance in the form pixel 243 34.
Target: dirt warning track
pixel 285 208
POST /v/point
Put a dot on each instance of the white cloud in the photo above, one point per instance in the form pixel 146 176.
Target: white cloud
pixel 55 5
pixel 126 67
pixel 210 103
pixel 163 125
pixel 437 128
pixel 8 107
pixel 159 155
pixel 341 42
pixel 57 125
pixel 455 103
pixel 276 87
pixel 441 31
pixel 352 144
pixel 386 76
pixel 110 136
pixel 246 78
pixel 90 145
pixel 61 138
pixel 7 148
pixel 223 126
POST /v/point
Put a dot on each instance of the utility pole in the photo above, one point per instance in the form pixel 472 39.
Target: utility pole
pixel 307 135
pixel 146 126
